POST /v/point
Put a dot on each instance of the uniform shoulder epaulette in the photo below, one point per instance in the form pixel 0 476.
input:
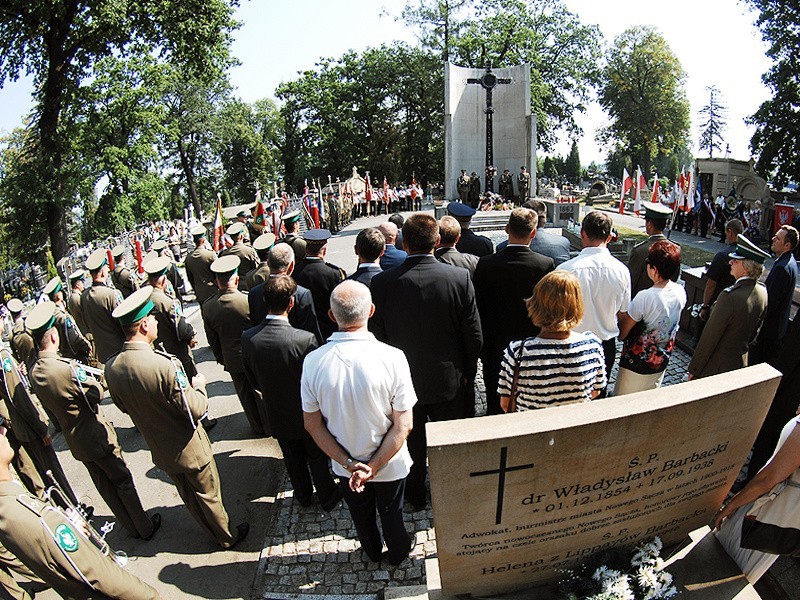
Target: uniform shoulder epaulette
pixel 164 353
pixel 729 288
pixel 640 244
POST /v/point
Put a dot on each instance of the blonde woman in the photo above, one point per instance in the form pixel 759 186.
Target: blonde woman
pixel 558 366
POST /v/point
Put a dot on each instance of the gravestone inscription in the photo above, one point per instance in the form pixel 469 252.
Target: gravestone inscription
pixel 518 497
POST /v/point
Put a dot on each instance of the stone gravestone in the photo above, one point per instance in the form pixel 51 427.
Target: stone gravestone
pixel 465 125
pixel 518 497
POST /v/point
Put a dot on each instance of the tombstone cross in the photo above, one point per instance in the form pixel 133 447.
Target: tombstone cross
pixel 489 81
pixel 501 481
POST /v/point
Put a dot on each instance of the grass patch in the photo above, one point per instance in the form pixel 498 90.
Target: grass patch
pixel 690 256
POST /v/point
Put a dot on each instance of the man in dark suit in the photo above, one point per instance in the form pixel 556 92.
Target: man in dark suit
pixel 303 315
pixel 502 283
pixel 277 344
pixel 369 247
pixel 780 284
pixel 548 244
pixel 428 310
pixel 470 242
pixel 449 234
pixel 319 276
pixel 392 256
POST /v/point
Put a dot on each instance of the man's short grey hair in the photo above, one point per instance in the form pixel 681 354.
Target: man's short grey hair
pixel 351 302
pixel 280 257
pixel 752 268
pixel 389 231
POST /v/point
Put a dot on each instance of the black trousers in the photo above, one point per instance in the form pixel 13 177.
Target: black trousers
pixel 610 352
pixel 491 376
pixel 387 498
pixel 300 457
pixel 416 492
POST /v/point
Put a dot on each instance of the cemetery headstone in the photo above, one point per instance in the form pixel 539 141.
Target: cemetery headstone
pixel 518 497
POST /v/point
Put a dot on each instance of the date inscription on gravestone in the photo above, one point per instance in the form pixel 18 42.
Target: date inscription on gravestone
pixel 518 497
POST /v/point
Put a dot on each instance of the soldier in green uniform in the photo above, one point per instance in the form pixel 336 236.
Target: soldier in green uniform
pixel 655 221
pixel 123 279
pixel 198 266
pixel 160 247
pixel 262 245
pixel 77 286
pixel 225 316
pixel 22 462
pixel 21 339
pixel 245 253
pixel 55 549
pixel 152 387
pixel 74 396
pixel 97 304
pixel 175 334
pixel 29 423
pixel 73 344
pixel 291 222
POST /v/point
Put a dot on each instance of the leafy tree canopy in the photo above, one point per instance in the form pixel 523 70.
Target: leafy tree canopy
pixel 642 91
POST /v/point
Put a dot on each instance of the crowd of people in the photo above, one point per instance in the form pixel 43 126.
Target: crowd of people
pixel 358 363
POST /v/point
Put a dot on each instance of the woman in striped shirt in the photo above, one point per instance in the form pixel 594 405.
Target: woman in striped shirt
pixel 558 366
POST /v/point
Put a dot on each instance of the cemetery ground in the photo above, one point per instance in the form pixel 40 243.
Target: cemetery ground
pixel 290 550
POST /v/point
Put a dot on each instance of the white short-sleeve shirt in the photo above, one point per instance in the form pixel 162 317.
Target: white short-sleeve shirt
pixel 605 287
pixel 356 382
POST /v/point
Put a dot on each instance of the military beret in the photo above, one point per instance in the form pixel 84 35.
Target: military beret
pixel 226 265
pixel 75 275
pixel 242 213
pixel 53 286
pixel 656 210
pixel 157 266
pixel 745 249
pixel 264 242
pixel 118 250
pixel 235 229
pixel 460 210
pixel 41 318
pixel 97 260
pixel 135 307
pixel 15 305
pixel 159 245
pixel 291 216
pixel 199 231
pixel 316 236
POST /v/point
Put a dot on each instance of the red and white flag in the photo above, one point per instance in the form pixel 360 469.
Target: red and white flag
pixel 641 183
pixel 656 190
pixel 219 231
pixel 627 184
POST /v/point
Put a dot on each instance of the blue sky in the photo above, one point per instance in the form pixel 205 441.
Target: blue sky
pixel 715 41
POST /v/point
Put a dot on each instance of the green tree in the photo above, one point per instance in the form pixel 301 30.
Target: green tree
pixel 642 92
pixel 563 53
pixel 437 21
pixel 777 120
pixel 549 168
pixel 59 41
pixel 572 166
pixel 121 119
pixel 380 111
pixel 713 115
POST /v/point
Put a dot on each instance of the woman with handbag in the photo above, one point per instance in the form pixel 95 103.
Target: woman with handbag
pixel 762 521
pixel 558 366
pixel 648 328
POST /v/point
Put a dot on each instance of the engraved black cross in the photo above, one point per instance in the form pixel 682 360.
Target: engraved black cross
pixel 501 482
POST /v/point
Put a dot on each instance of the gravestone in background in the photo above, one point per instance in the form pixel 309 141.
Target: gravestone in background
pixel 516 497
pixel 465 125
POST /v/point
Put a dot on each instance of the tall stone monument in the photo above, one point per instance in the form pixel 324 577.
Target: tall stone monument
pixel 516 498
pixel 513 133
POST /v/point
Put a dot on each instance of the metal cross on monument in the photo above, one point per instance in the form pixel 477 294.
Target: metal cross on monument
pixel 489 81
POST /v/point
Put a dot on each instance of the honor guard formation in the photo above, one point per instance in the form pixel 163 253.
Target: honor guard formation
pixel 343 370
